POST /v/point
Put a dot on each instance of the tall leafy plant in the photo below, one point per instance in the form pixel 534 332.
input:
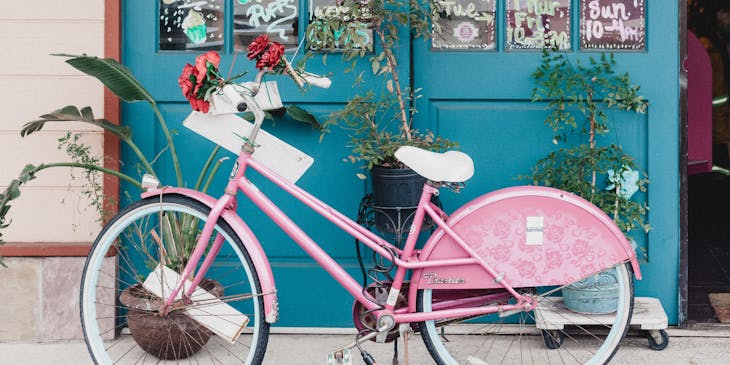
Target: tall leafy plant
pixel 580 96
pixel 122 83
pixel 379 120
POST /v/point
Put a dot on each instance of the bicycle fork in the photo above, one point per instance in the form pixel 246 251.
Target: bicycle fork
pixel 224 203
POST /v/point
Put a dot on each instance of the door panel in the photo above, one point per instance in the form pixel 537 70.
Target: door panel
pixel 482 100
pixel 479 98
pixel 303 286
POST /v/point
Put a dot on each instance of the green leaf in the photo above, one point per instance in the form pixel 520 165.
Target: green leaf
pixel 302 115
pixel 113 75
pixel 375 66
pixel 72 114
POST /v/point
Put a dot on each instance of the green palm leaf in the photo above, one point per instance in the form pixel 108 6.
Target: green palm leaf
pixel 303 116
pixel 113 75
pixel 72 114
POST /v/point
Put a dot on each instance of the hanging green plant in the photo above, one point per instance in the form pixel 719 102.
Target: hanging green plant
pixel 579 97
pixel 379 120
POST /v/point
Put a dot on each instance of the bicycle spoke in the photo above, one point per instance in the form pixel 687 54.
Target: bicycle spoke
pixel 140 243
pixel 515 339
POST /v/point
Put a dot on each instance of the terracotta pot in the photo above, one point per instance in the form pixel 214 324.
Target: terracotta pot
pixel 171 337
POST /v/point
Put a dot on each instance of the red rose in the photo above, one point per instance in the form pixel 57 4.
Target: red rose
pixel 186 84
pixel 201 64
pixel 199 104
pixel 258 46
pixel 196 80
pixel 271 57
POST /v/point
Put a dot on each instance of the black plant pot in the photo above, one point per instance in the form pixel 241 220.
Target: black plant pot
pixel 396 193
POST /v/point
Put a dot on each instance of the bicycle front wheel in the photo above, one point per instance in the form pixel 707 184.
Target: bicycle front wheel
pixel 120 318
pixel 548 334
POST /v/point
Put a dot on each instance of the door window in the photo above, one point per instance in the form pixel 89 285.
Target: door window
pixel 614 25
pixel 538 24
pixel 464 24
pixel 277 18
pixel 202 25
pixel 191 25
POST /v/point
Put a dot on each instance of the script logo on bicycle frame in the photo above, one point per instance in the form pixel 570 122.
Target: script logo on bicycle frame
pixel 432 278
pixel 234 172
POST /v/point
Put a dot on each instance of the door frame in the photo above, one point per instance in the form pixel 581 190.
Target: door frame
pixel 112 106
pixel 683 158
pixel 112 112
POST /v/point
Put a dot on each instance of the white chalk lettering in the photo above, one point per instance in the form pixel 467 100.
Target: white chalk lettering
pixel 275 13
pixel 452 8
pixel 609 18
pixel 613 11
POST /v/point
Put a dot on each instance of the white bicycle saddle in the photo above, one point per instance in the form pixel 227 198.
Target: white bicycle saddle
pixel 450 166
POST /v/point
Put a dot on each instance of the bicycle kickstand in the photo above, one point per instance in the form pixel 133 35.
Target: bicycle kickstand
pixel 342 356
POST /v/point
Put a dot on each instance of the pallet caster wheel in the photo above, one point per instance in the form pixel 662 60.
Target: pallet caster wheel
pixel 553 339
pixel 658 340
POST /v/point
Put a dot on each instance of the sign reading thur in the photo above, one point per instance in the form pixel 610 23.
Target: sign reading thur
pixel 536 24
pixel 612 25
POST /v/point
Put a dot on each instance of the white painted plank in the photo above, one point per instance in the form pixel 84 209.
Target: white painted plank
pixel 54 9
pixel 42 147
pixel 215 314
pixel 34 42
pixel 31 97
pixel 227 130
pixel 58 215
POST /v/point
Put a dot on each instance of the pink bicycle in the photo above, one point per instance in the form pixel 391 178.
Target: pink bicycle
pixel 483 289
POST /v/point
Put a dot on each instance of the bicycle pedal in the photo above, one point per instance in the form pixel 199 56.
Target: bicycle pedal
pixel 340 357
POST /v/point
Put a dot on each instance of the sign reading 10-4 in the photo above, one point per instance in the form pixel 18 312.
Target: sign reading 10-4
pixel 612 25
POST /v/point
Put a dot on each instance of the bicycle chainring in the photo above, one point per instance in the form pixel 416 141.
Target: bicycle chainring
pixel 365 322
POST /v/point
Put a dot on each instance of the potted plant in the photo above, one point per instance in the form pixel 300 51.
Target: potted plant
pixel 379 122
pixel 172 336
pixel 579 97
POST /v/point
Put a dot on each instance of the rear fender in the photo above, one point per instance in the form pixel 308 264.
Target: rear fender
pixel 569 239
pixel 251 243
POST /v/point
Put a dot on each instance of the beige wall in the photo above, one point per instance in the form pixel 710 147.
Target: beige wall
pixel 32 83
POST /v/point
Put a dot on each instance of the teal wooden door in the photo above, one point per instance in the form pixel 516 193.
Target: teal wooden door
pixel 476 85
pixel 159 37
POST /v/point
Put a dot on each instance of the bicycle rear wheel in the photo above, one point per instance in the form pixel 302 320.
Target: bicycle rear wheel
pixel 564 338
pixel 119 317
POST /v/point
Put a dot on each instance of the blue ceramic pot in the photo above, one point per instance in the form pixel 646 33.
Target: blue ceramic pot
pixel 594 295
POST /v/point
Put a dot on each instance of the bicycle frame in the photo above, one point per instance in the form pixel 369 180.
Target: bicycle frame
pixel 446 240
pixel 405 259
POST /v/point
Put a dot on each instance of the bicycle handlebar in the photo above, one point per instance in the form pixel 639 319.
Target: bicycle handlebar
pixel 230 92
pixel 241 97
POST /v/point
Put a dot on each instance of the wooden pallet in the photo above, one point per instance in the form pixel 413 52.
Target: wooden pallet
pixel 648 315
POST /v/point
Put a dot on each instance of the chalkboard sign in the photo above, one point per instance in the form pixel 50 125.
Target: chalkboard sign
pixel 191 25
pixel 464 24
pixel 612 24
pixel 277 18
pixel 351 33
pixel 537 24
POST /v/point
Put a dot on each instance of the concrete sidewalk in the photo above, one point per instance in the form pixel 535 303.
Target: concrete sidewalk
pixel 705 346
